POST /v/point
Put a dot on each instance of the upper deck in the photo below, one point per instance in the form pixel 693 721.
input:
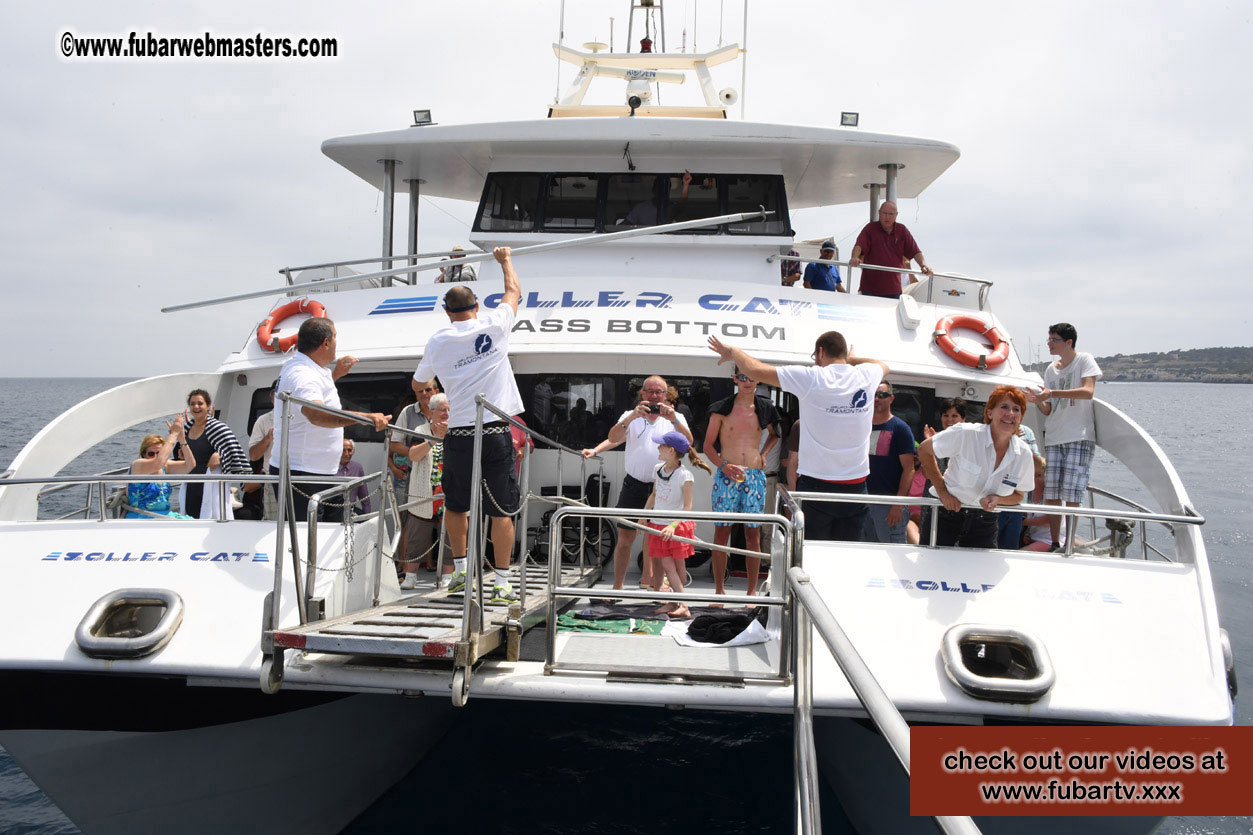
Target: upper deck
pixel 820 166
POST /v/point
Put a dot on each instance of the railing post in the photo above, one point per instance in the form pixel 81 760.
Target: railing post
pixel 890 169
pixel 808 818
pixel 414 186
pixel 525 492
pixel 389 201
pixel 100 499
pixel 474 592
pixel 384 495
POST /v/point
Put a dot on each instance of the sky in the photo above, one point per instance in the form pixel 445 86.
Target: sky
pixel 1104 153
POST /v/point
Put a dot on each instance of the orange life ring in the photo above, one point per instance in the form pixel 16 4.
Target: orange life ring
pixel 1000 345
pixel 265 330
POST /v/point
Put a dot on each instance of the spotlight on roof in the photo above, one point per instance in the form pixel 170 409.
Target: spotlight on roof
pixel 422 117
pixel 848 120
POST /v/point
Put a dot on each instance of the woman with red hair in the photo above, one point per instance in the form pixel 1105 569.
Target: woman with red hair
pixel 989 466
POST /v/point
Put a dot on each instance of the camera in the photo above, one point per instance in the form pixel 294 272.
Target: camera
pixel 655 408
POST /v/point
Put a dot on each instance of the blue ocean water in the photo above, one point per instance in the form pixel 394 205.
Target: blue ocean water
pixel 594 769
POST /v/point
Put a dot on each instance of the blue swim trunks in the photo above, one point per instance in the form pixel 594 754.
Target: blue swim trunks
pixel 747 496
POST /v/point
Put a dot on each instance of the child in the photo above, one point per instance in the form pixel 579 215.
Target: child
pixel 672 490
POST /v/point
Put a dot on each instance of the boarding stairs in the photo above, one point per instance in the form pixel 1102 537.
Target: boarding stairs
pixel 429 625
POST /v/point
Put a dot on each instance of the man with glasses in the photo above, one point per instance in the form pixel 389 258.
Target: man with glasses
pixel 651 416
pixel 835 418
pixel 891 469
pixel 471 356
pixel 887 243
pixel 412 417
pixel 1069 422
pixel 733 443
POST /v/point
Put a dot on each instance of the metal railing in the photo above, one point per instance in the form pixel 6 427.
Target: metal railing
pixel 983 284
pixel 870 693
pixel 99 497
pixel 286 272
pixel 286 522
pixel 585 240
pixel 1070 513
pixel 474 549
pixel 1145 545
pixel 556 590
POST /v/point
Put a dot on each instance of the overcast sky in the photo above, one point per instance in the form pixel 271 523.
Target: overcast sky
pixel 1102 178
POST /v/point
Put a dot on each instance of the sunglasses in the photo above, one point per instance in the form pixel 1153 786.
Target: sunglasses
pixel 882 395
pixel 151 452
pixel 740 378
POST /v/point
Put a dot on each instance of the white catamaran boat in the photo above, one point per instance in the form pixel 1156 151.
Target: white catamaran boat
pixel 182 668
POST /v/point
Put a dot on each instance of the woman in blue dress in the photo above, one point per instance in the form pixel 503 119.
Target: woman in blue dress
pixel 153 497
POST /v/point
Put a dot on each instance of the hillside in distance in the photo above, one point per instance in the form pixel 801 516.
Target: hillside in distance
pixel 1198 365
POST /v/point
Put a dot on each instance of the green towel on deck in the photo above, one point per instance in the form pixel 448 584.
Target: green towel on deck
pixel 570 622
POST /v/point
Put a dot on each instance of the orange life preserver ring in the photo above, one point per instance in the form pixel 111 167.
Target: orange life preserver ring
pixel 1000 345
pixel 265 330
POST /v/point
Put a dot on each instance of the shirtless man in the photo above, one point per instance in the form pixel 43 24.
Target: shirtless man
pixel 736 424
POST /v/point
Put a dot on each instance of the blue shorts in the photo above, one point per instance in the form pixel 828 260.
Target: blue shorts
pixel 747 496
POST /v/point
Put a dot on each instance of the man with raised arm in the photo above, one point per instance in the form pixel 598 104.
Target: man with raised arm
pixel 1069 422
pixel 887 243
pixel 733 443
pixel 317 438
pixel 835 418
pixel 651 416
pixel 471 356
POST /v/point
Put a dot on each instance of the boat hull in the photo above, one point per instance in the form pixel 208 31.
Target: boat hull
pixel 873 789
pixel 307 770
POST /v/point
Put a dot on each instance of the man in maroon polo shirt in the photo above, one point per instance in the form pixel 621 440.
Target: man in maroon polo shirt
pixel 889 244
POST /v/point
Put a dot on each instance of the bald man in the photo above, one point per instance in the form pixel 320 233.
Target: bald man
pixel 887 243
pixel 651 416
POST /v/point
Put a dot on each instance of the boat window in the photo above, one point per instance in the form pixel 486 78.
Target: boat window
pixel 578 410
pixel 570 203
pixel 387 393
pixel 510 203
pixel 703 200
pixel 749 192
pixel 632 200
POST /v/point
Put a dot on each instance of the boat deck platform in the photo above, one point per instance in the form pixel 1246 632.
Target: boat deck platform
pixel 427 623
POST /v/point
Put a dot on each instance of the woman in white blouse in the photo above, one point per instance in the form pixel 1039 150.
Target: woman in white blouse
pixel 989 466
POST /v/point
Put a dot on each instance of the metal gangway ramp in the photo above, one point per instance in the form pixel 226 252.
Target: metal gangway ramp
pixel 432 625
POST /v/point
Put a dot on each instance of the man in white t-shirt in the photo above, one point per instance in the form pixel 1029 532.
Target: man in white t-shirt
pixel 836 414
pixel 317 438
pixel 471 357
pixel 1069 421
pixel 637 428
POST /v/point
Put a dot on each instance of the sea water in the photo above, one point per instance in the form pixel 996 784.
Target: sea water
pixel 600 769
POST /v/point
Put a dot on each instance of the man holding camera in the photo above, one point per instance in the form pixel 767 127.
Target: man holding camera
pixel 637 428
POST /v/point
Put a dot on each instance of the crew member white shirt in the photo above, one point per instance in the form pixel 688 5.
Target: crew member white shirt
pixel 836 413
pixel 263 425
pixel 668 490
pixel 471 357
pixel 1070 420
pixel 641 449
pixel 972 471
pixel 310 449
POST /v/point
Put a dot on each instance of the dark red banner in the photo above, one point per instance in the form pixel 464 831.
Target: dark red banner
pixel 1081 770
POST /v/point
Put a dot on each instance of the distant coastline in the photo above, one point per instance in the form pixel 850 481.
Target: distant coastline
pixel 1198 365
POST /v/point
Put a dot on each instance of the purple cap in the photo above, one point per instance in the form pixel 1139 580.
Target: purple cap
pixel 675 439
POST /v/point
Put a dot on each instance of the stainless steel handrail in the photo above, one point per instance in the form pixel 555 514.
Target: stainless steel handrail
pixel 804 260
pixel 869 692
pixel 447 253
pixel 1042 509
pixel 474 259
pixel 555 589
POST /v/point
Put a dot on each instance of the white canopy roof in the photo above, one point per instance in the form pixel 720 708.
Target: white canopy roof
pixel 821 166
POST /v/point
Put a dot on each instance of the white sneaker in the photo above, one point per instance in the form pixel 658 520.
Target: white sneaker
pixel 411 582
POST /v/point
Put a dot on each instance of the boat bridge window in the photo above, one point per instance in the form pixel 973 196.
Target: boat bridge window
pixel 510 204
pixel 570 202
pixel 601 202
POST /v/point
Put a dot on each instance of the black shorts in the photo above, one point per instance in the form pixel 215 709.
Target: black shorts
pixel 634 495
pixel 498 472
